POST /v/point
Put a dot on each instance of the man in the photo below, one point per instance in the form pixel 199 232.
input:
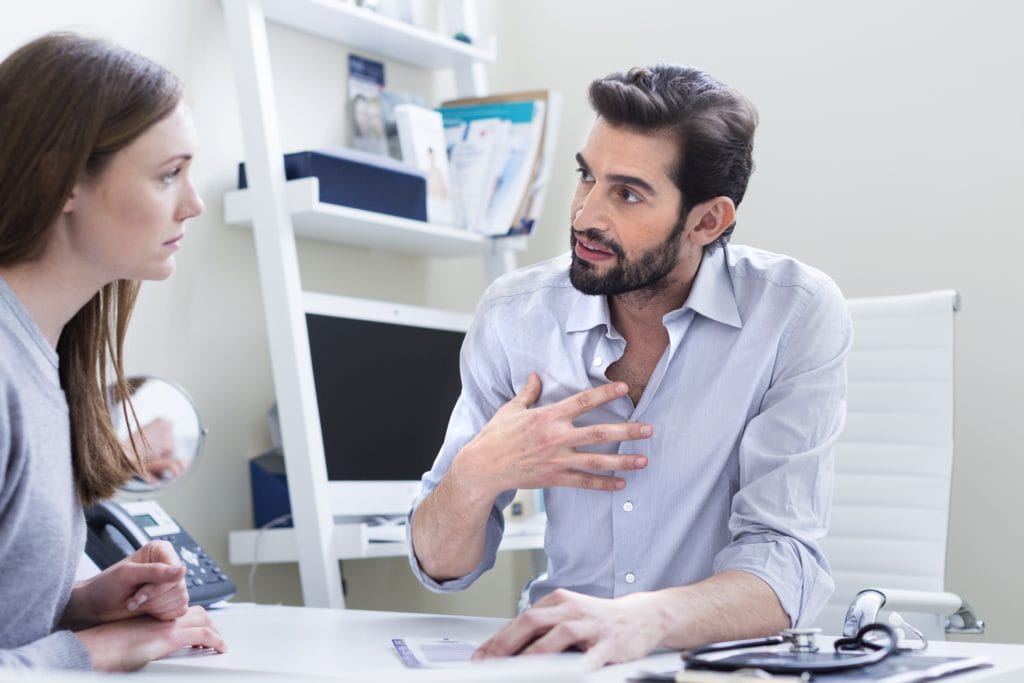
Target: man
pixel 675 396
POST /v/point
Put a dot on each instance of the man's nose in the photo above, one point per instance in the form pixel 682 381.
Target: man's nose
pixel 589 213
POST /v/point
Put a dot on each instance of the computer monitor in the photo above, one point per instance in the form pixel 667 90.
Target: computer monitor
pixel 387 378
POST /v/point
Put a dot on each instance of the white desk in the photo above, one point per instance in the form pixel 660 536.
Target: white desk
pixel 355 645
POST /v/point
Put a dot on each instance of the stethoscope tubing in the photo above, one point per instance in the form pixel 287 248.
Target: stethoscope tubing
pixel 779 663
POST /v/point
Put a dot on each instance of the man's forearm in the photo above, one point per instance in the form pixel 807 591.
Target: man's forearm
pixel 730 605
pixel 449 529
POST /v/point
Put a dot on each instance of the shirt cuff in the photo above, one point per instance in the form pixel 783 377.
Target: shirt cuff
pixel 495 530
pixel 799 578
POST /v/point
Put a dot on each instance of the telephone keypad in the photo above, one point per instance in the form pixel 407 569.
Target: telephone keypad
pixel 202 575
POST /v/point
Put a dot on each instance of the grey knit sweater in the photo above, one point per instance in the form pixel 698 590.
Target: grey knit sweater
pixel 42 531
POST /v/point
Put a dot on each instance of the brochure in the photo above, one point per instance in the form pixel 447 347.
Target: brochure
pixel 421 137
pixel 365 83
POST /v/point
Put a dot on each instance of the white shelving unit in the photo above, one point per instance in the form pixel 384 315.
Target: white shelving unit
pixel 279 211
pixel 344 225
pixel 349 542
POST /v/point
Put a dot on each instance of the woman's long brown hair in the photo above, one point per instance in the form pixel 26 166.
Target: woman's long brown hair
pixel 68 104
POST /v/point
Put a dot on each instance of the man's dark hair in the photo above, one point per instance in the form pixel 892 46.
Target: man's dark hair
pixel 713 124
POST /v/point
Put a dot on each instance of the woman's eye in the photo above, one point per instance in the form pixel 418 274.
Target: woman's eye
pixel 171 175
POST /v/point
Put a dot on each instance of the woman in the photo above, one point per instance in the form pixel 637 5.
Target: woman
pixel 95 150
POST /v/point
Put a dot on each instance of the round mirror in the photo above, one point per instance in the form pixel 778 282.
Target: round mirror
pixel 172 433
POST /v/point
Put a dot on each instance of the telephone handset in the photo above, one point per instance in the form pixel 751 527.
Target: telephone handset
pixel 115 531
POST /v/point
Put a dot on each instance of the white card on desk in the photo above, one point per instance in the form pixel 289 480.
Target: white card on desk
pixel 418 653
pixel 452 657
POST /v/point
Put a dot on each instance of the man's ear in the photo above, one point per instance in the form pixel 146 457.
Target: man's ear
pixel 710 219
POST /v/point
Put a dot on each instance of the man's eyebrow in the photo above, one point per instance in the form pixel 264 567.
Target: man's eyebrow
pixel 619 178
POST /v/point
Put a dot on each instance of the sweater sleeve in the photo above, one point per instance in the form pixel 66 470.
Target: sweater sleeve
pixel 59 650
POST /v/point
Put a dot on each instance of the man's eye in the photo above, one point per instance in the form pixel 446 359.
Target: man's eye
pixel 585 176
pixel 629 196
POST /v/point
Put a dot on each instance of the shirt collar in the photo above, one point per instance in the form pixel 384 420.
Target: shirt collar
pixel 711 296
pixel 588 311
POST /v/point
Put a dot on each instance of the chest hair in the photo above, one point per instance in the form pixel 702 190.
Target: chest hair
pixel 638 362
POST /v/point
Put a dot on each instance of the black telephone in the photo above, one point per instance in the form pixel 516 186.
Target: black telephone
pixel 115 531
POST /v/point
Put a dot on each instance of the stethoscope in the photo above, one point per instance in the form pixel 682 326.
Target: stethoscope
pixel 803 657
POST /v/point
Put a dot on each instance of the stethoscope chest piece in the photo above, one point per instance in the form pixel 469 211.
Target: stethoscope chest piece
pixel 802 639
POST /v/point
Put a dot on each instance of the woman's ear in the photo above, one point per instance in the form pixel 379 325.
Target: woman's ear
pixel 69 203
pixel 710 219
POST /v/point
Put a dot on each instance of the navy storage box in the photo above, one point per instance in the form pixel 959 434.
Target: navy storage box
pixel 269 488
pixel 360 180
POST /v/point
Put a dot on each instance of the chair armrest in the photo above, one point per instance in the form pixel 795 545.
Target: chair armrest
pixel 959 618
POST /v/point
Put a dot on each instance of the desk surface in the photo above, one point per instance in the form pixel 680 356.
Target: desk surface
pixel 355 645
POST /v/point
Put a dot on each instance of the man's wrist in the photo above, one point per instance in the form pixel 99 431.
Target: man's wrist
pixel 662 613
pixel 473 487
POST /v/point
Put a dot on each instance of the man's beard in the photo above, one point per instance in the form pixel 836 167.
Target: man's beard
pixel 645 272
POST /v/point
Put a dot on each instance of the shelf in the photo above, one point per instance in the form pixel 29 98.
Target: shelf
pixel 355 227
pixel 363 29
pixel 350 543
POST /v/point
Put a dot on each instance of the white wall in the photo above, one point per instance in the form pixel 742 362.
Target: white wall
pixel 888 155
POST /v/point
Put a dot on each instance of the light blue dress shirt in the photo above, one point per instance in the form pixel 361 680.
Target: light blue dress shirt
pixel 746 403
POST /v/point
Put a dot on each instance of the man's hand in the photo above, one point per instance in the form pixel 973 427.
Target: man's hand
pixel 609 631
pixel 149 581
pixel 527 448
pixel 130 644
pixel 730 605
pixel 519 448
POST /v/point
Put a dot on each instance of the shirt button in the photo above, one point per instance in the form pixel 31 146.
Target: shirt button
pixel 598 361
pixel 630 577
pixel 628 506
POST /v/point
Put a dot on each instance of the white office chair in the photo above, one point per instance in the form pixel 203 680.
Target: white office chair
pixel 894 463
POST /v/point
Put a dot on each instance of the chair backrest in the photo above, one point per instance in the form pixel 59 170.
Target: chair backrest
pixel 894 460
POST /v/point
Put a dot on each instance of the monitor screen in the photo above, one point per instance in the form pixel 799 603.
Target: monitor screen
pixel 387 378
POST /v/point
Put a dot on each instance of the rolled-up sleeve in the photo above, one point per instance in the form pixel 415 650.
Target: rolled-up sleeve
pixel 783 504
pixel 484 389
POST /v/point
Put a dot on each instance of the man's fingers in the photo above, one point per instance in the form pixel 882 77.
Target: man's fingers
pixel 601 462
pixel 599 654
pixel 564 635
pixel 530 392
pixel 611 433
pixel 519 633
pixel 587 480
pixel 577 404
